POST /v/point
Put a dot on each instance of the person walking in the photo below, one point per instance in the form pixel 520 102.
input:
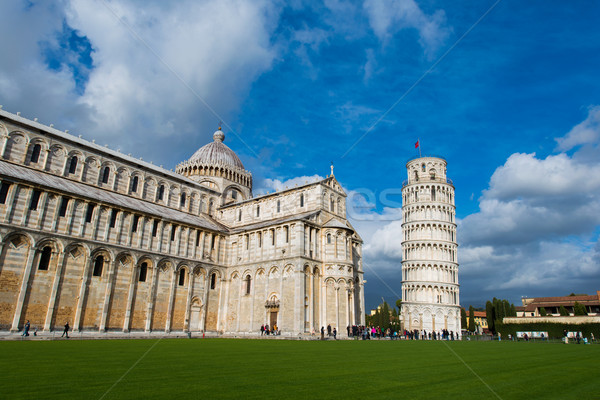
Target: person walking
pixel 334 334
pixel 329 330
pixel 262 329
pixel 322 333
pixel 66 331
pixel 26 329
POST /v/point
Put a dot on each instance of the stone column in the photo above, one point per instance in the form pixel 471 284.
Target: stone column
pixel 44 202
pixel 135 274
pixel 311 300
pixel 120 223
pixel 54 291
pixel 46 158
pixel 171 301
pixel 205 302
pixel 186 323
pixel 222 309
pixel 4 143
pixel 23 290
pixel 159 235
pixel 150 304
pixel 323 302
pixel 26 210
pixel 337 307
pixel 96 222
pixel 141 231
pixel 347 302
pixel 10 202
pixel 82 293
pixel 107 295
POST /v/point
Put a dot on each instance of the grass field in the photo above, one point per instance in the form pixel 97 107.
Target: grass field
pixel 282 369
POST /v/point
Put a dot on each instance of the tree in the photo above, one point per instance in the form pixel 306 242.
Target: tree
pixel 385 316
pixel 490 315
pixel 543 312
pixel 579 309
pixel 399 305
pixel 471 319
pixel 563 311
pixel 463 318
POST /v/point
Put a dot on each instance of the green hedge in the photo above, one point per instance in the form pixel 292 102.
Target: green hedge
pixel 555 330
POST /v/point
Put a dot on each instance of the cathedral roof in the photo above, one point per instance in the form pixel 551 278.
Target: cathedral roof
pixel 335 223
pixel 60 184
pixel 216 153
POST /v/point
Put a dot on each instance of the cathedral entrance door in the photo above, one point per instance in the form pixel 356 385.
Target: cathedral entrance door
pixel 273 319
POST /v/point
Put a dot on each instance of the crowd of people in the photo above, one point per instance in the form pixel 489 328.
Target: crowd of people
pixel 265 330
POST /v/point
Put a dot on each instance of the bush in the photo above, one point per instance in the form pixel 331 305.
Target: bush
pixel 579 309
pixel 543 312
pixel 555 330
pixel 563 311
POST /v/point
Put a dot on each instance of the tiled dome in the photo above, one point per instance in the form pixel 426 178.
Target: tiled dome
pixel 216 153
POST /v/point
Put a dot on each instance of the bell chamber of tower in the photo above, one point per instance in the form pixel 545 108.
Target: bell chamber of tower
pixel 430 289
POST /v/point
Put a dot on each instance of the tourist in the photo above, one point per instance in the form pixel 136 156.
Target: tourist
pixel 26 329
pixel 334 334
pixel 262 329
pixel 329 330
pixel 322 333
pixel 66 330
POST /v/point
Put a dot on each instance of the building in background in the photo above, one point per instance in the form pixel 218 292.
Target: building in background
pixel 430 290
pixel 532 305
pixel 107 242
pixel 480 318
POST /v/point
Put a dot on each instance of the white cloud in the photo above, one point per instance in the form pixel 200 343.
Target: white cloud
pixel 217 48
pixel 271 185
pixel 387 17
pixel 586 132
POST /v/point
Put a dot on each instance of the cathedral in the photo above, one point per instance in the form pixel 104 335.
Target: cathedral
pixel 107 242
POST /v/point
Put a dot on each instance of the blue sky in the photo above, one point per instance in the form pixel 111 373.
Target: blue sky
pixel 506 91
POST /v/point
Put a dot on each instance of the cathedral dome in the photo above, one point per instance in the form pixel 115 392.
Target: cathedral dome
pixel 216 153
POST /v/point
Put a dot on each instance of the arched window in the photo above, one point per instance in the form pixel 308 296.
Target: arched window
pixel 45 258
pixel 248 284
pixel 210 207
pixel 286 230
pixel 240 215
pixel 143 272
pixel 301 199
pixel 258 211
pixel 332 204
pixel 278 205
pixel 181 277
pixel 329 238
pixel 433 193
pixel 182 200
pixel 98 264
pixel 35 153
pixel 161 193
pixel 134 184
pixel 105 174
pixel 213 280
pixel 259 239
pixel 423 167
pixel 73 165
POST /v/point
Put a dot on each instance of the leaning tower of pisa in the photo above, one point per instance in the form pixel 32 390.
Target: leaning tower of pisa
pixel 430 290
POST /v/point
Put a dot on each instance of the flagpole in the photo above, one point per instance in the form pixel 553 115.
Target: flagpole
pixel 419 141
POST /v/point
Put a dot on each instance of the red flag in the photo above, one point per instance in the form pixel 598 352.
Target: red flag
pixel 417 145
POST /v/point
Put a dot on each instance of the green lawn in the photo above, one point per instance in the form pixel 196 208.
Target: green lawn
pixel 282 369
